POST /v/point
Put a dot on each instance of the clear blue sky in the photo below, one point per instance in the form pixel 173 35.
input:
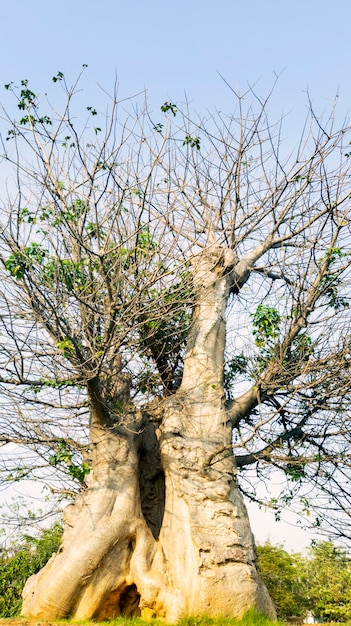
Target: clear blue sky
pixel 169 47
pixel 172 47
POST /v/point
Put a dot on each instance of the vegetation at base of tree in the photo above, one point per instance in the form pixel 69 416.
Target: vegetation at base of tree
pixel 284 576
pixel 318 582
pixel 21 561
pixel 330 582
pixel 251 618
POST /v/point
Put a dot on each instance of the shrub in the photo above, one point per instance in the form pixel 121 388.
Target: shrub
pixel 23 560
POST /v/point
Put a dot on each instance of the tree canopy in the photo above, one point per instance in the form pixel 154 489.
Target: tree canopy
pixel 100 219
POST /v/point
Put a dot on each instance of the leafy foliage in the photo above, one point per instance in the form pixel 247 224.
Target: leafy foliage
pixel 169 106
pixel 266 321
pixel 284 577
pixel 20 562
pixel 329 576
pixel 331 280
pixel 319 581
pixel 65 456
pixel 193 142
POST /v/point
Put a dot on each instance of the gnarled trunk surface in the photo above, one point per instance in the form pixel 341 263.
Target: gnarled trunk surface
pixel 162 529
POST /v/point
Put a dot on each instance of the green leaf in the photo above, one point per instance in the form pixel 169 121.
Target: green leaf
pixel 67 347
pixel 16 265
pixel 193 142
pixel 169 106
pixel 58 77
pixel 266 322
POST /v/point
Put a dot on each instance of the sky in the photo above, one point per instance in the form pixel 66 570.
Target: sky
pixel 188 49
pixel 184 46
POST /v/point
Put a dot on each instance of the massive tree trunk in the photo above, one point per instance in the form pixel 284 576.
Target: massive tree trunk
pixel 162 529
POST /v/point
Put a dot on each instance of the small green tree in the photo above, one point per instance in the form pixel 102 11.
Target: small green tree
pixel 285 577
pixel 329 578
pixel 319 582
pixel 20 562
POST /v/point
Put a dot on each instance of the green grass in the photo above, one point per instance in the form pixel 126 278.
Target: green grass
pixel 251 618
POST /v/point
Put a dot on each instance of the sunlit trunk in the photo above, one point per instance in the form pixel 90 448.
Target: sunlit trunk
pixel 162 530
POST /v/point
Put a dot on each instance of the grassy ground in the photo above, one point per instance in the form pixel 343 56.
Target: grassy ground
pixel 250 619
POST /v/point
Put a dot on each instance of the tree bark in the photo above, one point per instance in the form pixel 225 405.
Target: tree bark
pixel 162 530
pixel 205 536
pixel 93 574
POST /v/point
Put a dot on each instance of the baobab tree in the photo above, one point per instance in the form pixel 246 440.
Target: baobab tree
pixel 174 310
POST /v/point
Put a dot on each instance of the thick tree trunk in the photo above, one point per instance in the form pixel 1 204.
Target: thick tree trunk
pixel 110 563
pixel 107 546
pixel 205 536
pixel 162 529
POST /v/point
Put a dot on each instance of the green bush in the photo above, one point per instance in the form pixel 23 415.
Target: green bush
pixel 319 581
pixel 22 561
pixel 285 577
pixel 329 574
